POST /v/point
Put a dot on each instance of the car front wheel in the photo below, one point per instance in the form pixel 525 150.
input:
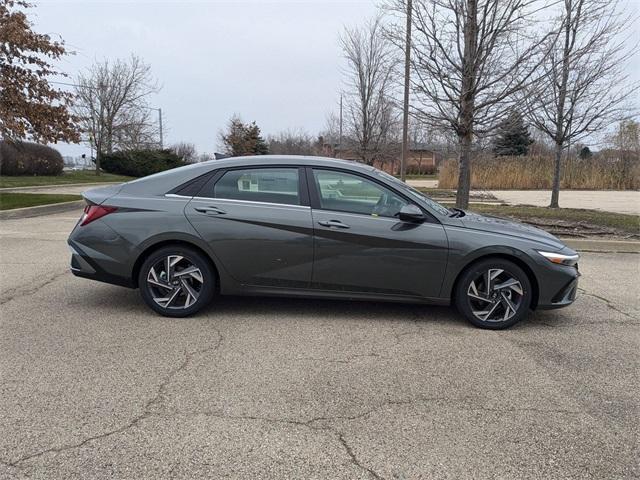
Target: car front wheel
pixel 176 281
pixel 494 294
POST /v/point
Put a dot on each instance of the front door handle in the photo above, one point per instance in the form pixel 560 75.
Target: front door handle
pixel 210 210
pixel 333 223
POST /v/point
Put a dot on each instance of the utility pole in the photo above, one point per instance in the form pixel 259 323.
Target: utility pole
pixel 405 111
pixel 160 125
pixel 340 140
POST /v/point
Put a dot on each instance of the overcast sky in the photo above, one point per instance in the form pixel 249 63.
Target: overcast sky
pixel 275 62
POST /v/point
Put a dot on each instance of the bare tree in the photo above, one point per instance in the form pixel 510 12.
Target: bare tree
pixel 331 133
pixel 186 151
pixel 469 58
pixel 583 88
pixel 293 142
pixel 111 102
pixel 370 118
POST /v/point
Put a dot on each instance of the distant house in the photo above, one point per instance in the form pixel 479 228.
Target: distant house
pixel 422 159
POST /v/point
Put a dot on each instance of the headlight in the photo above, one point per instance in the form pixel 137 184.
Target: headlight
pixel 561 259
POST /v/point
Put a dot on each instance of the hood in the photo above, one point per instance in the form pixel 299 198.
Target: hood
pixel 487 223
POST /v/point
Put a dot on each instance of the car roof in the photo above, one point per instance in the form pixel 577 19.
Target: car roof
pixel 303 160
pixel 160 183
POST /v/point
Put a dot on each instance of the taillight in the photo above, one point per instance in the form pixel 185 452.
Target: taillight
pixel 94 212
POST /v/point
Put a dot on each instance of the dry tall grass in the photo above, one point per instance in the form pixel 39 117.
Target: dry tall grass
pixel 531 173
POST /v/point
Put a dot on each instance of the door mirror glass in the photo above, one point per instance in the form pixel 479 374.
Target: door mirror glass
pixel 411 213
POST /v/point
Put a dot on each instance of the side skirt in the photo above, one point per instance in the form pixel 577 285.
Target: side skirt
pixel 333 294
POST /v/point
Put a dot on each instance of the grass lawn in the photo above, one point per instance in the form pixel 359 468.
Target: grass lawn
pixel 620 221
pixel 9 200
pixel 79 176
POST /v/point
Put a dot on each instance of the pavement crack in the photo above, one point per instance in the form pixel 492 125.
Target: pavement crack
pixel 608 303
pixel 147 411
pixel 524 409
pixel 345 360
pixel 354 459
pixel 20 292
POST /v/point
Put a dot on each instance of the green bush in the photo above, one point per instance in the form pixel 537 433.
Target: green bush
pixel 26 158
pixel 140 163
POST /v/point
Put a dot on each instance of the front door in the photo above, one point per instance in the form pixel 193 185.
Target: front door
pixel 362 246
pixel 258 224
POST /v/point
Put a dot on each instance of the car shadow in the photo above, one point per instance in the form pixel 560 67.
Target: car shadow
pixel 128 301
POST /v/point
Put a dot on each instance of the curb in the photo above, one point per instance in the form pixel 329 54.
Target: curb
pixel 595 245
pixel 40 210
pixel 46 187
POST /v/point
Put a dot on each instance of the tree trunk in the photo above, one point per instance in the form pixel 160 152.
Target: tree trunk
pixel 464 172
pixel 467 103
pixel 562 135
pixel 555 188
pixel 98 156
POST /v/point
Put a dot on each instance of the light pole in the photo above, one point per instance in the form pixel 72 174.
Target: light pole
pixel 405 111
pixel 160 126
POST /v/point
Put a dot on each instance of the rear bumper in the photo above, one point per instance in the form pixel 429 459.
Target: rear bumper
pixel 82 265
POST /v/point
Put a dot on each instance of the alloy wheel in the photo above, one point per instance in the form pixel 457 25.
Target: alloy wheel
pixel 175 282
pixel 495 295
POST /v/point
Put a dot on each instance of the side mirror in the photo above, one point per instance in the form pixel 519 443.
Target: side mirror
pixel 411 213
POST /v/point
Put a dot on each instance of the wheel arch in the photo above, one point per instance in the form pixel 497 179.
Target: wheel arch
pixel 149 248
pixel 502 256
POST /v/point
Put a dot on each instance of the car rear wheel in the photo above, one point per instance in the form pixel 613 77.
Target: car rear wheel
pixel 494 294
pixel 176 281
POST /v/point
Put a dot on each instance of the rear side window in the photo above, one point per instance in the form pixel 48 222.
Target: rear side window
pixel 270 185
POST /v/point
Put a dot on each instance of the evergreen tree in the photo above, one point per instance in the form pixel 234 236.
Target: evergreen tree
pixel 243 139
pixel 256 143
pixel 584 153
pixel 513 136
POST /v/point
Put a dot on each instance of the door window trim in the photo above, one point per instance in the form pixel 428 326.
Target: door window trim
pixel 314 194
pixel 303 191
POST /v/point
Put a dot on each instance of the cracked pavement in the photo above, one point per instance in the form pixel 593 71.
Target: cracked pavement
pixel 94 385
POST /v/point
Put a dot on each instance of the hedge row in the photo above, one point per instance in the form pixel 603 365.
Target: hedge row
pixel 25 158
pixel 140 163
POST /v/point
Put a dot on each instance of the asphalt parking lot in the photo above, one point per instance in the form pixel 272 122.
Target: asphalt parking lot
pixel 94 385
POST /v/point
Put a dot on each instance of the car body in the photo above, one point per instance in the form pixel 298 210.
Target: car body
pixel 312 227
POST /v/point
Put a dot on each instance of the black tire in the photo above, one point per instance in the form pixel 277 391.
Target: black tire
pixel 477 271
pixel 206 290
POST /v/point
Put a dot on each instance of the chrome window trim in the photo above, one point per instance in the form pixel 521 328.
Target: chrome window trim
pixel 234 201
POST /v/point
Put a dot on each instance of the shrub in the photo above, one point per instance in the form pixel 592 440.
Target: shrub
pixel 140 163
pixel 536 173
pixel 25 158
pixel 414 169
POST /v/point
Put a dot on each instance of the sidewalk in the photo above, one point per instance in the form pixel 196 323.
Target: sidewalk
pixel 617 201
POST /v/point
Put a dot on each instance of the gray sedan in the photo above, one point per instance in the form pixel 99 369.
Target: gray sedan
pixel 313 227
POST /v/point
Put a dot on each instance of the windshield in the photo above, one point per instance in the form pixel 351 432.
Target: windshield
pixel 415 193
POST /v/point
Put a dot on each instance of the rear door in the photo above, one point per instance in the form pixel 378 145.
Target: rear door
pixel 362 246
pixel 258 223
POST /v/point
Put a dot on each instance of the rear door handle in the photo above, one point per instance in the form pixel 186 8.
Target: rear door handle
pixel 333 223
pixel 210 210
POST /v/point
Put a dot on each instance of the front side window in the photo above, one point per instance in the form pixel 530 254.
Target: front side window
pixel 270 185
pixel 345 192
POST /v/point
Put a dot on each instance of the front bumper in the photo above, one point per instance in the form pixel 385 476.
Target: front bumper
pixel 558 287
